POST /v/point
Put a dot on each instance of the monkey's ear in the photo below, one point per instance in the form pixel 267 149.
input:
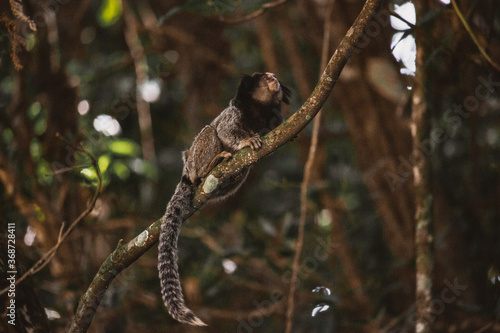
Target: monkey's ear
pixel 246 85
pixel 287 93
pixel 245 76
pixel 246 82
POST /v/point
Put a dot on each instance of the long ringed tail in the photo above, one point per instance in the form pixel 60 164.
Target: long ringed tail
pixel 171 290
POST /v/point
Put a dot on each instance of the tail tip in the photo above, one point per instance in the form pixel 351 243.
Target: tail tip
pixel 189 318
pixel 197 322
pixel 192 320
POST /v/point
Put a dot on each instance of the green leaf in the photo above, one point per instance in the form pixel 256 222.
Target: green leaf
pixel 8 136
pixel 40 126
pixel 30 41
pixel 39 213
pixel 44 173
pixel 121 170
pixel 89 178
pixel 103 163
pixel 124 147
pixel 109 12
pixel 35 149
pixel 34 110
pixel 89 173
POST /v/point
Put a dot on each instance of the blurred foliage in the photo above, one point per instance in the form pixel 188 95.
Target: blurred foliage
pixel 109 12
pixel 235 257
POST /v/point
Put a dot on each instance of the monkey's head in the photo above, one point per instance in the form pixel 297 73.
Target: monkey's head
pixel 263 88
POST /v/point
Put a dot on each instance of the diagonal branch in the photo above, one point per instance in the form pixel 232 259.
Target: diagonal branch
pixel 126 253
pixel 473 36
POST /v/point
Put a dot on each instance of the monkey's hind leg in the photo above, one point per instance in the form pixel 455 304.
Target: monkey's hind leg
pixel 217 159
pixel 205 153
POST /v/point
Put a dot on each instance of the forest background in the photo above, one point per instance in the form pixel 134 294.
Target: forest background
pixel 403 193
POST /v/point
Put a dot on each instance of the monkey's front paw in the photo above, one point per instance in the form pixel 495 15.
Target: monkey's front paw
pixel 255 142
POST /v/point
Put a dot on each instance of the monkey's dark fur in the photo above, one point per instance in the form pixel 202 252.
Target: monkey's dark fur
pixel 254 111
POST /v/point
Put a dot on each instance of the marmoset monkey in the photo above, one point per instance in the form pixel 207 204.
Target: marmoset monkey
pixel 254 111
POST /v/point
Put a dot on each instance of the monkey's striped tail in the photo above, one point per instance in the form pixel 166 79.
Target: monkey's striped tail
pixel 167 255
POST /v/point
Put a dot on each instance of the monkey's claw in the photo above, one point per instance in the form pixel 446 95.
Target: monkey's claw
pixel 255 143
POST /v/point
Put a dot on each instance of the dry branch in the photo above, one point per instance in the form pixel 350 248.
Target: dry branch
pixel 126 253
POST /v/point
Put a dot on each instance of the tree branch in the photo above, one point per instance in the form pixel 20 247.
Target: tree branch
pixel 420 130
pixel 125 254
pixel 473 37
pixel 253 15
pixel 141 77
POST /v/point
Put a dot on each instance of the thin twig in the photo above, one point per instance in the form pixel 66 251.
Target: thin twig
pixel 47 257
pixel 141 73
pixel 473 36
pixel 251 16
pixel 307 176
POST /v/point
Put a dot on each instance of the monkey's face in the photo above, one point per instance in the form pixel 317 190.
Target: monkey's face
pixel 266 88
pixel 263 88
pixel 271 81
